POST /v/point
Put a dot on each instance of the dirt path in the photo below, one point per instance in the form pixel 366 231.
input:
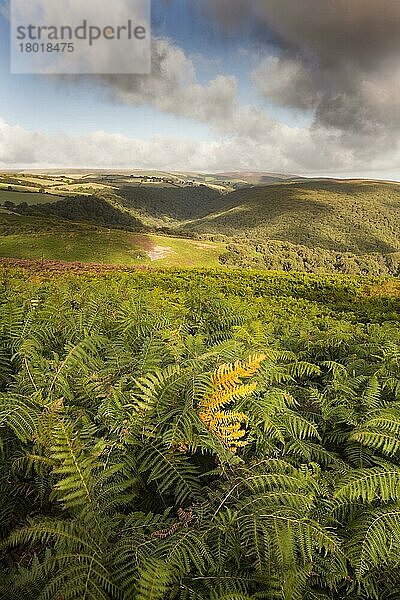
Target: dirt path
pixel 147 245
pixel 159 252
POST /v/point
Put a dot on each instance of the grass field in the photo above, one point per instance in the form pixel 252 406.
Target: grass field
pixel 31 198
pixel 48 239
pixel 190 253
pixel 53 184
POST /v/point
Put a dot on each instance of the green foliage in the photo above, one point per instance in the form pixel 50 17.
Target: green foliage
pixel 113 488
pixel 48 238
pixel 358 217
pixel 314 226
pixel 174 203
pixel 83 208
pixel 287 256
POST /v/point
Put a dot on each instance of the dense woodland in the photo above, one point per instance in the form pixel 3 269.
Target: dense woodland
pixel 83 208
pixel 231 435
pixel 176 203
pixel 358 217
pixel 285 256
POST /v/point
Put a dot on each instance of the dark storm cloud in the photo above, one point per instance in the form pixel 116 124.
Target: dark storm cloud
pixel 364 30
pixel 344 56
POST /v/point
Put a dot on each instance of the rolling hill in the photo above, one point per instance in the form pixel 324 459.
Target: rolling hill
pixel 258 177
pixel 336 215
pixel 295 225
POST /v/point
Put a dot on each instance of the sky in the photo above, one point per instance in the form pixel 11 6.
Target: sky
pixel 309 87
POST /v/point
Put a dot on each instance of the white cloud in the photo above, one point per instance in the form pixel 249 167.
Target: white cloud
pixel 285 150
pixel 245 137
pixel 352 92
pixel 249 133
pixel 172 87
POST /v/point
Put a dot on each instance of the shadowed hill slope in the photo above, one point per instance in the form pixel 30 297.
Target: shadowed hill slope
pixel 336 215
pixel 172 202
pixel 84 208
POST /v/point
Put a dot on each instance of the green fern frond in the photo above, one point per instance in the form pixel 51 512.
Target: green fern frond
pixel 20 414
pixel 152 387
pixel 170 471
pixel 375 540
pixel 388 443
pixel 368 485
pixel 154 580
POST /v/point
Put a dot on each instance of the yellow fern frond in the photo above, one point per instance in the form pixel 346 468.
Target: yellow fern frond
pixel 228 386
pixel 229 375
pixel 219 399
pixel 230 417
pixel 252 364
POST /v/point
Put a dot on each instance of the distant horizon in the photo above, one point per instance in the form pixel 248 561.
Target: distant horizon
pixel 125 170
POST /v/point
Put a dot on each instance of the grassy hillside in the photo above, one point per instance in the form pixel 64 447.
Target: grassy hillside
pixel 55 183
pixel 52 239
pixel 258 177
pixel 30 197
pixel 340 216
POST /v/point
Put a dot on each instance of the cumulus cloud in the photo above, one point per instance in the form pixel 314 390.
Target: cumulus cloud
pixel 287 82
pixel 172 87
pixel 287 150
pixel 337 57
pixel 22 148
